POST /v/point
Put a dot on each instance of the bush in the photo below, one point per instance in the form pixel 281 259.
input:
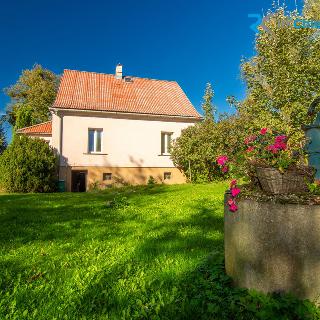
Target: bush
pixel 151 181
pixel 28 165
pixel 196 150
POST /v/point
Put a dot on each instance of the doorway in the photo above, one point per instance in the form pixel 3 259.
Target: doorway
pixel 79 181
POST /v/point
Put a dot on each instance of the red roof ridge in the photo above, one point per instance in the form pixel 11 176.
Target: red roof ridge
pixel 111 74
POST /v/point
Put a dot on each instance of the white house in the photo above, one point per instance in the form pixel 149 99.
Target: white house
pixel 108 128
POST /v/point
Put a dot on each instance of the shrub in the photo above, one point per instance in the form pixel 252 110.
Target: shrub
pixel 151 181
pixel 28 165
pixel 118 202
pixel 193 152
pixel 95 186
pixel 196 150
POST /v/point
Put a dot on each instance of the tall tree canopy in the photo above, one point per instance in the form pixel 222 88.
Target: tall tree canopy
pixel 283 77
pixel 31 97
pixel 208 108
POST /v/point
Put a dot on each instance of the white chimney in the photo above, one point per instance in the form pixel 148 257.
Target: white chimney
pixel 119 71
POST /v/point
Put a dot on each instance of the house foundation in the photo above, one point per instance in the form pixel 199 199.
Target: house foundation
pixel 108 176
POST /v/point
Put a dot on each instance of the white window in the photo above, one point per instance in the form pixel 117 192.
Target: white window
pixel 166 142
pixel 95 140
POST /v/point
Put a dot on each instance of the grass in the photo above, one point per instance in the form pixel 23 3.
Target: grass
pixel 136 253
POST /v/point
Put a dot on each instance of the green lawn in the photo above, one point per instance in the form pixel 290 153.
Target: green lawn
pixel 133 253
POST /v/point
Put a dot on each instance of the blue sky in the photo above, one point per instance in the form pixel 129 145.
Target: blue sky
pixel 192 42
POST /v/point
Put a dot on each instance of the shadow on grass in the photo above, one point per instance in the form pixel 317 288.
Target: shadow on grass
pixel 165 276
pixel 129 291
pixel 30 217
pixel 149 282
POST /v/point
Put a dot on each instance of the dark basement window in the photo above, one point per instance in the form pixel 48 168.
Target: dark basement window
pixel 107 176
pixel 167 176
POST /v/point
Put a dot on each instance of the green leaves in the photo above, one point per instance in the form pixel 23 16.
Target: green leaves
pixel 284 76
pixel 28 165
pixel 3 142
pixel 207 105
pixel 31 97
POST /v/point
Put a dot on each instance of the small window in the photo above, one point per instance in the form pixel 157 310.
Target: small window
pixel 94 140
pixel 166 142
pixel 107 176
pixel 167 176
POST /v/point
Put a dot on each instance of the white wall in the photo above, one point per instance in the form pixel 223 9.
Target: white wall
pixel 125 142
pixel 40 136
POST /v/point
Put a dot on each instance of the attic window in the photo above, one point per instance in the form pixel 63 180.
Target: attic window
pixel 128 79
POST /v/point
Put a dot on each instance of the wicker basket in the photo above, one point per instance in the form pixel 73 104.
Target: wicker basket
pixel 292 181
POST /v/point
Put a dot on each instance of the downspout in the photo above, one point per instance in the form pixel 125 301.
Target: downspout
pixel 62 161
pixel 61 136
pixel 60 141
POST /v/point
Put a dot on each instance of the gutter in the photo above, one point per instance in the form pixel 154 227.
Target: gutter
pixel 127 113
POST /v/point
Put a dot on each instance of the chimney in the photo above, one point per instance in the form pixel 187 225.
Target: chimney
pixel 118 71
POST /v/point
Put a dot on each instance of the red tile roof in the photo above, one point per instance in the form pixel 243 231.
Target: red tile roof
pixel 41 128
pixel 103 92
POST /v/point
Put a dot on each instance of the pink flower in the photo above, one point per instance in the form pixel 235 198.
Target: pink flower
pixel 222 160
pixel 235 191
pixel 263 131
pixel 272 148
pixel 231 202
pixel 279 139
pixel 233 207
pixel 250 139
pixel 250 149
pixel 233 183
pixel 225 169
pixel 280 145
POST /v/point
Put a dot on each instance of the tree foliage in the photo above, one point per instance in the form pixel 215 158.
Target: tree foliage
pixel 31 97
pixel 28 165
pixel 312 9
pixel 208 108
pixel 193 151
pixel 196 150
pixel 3 142
pixel 283 77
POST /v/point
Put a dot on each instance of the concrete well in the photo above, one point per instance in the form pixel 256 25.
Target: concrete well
pixel 274 247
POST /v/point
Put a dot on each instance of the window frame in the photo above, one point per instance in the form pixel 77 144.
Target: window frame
pixel 165 135
pixel 167 175
pixel 95 135
pixel 106 174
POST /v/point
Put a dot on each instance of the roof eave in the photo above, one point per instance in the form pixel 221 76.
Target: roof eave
pixel 56 108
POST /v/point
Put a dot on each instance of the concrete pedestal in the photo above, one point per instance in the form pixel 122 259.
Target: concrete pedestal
pixel 274 247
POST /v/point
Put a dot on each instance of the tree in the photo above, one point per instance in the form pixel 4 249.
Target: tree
pixel 283 77
pixel 312 9
pixel 3 143
pixel 207 105
pixel 31 97
pixel 28 165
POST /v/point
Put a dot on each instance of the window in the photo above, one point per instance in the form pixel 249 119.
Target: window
pixel 166 142
pixel 107 176
pixel 167 176
pixel 95 140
